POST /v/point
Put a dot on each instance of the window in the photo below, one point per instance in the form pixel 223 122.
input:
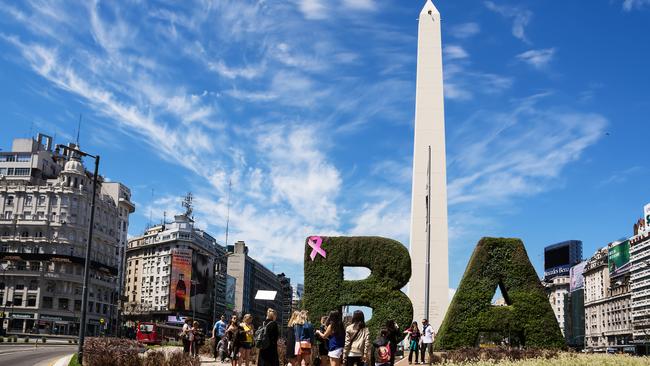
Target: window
pixel 18 299
pixel 31 300
pixel 7 215
pixel 23 158
pixel 27 215
pixel 10 200
pixel 41 200
pixel 77 305
pixel 53 201
pixel 22 171
pixel 41 215
pixel 28 200
pixel 63 303
pixel 47 302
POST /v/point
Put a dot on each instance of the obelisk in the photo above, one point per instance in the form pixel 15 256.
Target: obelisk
pixel 429 132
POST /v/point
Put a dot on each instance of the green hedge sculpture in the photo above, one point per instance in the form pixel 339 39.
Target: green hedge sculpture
pixel 500 262
pixel 390 266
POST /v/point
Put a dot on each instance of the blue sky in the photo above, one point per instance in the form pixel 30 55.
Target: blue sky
pixel 307 106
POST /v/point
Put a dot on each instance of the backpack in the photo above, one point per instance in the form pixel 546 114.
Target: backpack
pixel 383 353
pixel 262 340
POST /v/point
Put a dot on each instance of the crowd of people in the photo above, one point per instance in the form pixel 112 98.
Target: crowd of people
pixel 331 343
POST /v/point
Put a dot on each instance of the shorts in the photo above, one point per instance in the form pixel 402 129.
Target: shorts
pixel 247 345
pixel 337 353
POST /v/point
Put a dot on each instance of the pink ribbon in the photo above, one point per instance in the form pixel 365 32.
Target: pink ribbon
pixel 315 243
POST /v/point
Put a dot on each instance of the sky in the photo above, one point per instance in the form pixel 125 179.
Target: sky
pixel 307 107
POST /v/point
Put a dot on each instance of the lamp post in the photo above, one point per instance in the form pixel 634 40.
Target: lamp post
pixel 84 294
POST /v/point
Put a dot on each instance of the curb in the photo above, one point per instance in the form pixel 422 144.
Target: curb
pixel 63 361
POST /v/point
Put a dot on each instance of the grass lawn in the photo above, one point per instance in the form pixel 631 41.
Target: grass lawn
pixel 74 361
pixel 567 359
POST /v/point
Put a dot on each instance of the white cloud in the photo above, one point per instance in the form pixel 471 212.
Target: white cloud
pixel 360 4
pixel 465 30
pixel 520 18
pixel 538 59
pixel 247 72
pixel 454 52
pixel 629 5
pixel 313 9
pixel 517 154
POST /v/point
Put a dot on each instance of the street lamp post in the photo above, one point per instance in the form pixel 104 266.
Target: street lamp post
pixel 84 294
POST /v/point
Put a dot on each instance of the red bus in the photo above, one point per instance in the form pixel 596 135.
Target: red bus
pixel 153 333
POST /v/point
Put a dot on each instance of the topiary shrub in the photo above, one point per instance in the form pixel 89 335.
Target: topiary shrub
pixel 390 266
pixel 500 262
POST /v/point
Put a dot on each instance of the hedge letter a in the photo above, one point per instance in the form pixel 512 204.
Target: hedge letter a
pixel 326 290
pixel 528 319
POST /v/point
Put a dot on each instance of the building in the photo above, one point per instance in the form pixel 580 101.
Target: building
pixel 173 271
pixel 287 299
pixel 575 308
pixel 250 278
pixel 45 205
pixel 429 186
pixel 607 300
pixel 640 283
pixel 558 259
pixel 296 296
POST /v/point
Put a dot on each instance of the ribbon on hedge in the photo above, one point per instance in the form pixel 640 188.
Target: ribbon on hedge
pixel 315 243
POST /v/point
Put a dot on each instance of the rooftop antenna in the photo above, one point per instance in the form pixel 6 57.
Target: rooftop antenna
pixel 164 217
pixel 187 203
pixel 228 210
pixel 78 130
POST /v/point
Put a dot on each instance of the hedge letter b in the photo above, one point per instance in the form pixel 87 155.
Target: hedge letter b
pixel 326 290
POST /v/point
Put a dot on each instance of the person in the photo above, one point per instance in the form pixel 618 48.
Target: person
pixel 427 340
pixel 393 335
pixel 290 342
pixel 269 355
pixel 322 358
pixel 194 338
pixel 381 350
pixel 235 336
pixel 222 348
pixel 185 335
pixel 335 335
pixel 218 331
pixel 304 335
pixel 247 344
pixel 356 351
pixel 414 341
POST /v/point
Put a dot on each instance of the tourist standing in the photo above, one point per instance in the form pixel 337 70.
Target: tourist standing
pixel 235 335
pixel 427 340
pixel 381 354
pixel 335 335
pixel 269 354
pixel 414 341
pixel 323 359
pixel 185 335
pixel 218 332
pixel 194 338
pixel 291 342
pixel 356 351
pixel 304 334
pixel 247 344
pixel 393 336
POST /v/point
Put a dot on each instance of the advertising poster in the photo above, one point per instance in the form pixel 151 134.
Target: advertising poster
pixel 231 283
pixel 646 218
pixel 203 272
pixel 179 284
pixel 618 258
pixel 576 278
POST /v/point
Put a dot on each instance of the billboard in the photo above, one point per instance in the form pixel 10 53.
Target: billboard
pixel 560 257
pixel 231 283
pixel 180 281
pixel 203 275
pixel 618 257
pixel 646 218
pixel 576 279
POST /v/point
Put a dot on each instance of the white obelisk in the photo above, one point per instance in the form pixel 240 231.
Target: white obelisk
pixel 429 132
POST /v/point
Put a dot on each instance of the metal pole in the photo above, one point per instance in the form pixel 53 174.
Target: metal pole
pixel 84 295
pixel 428 254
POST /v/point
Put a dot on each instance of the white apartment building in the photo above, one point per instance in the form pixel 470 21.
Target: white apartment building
pixel 45 200
pixel 557 289
pixel 149 267
pixel 640 284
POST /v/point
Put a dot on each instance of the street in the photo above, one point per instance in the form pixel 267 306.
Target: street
pixel 28 355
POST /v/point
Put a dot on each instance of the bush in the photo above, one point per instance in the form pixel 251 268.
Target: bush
pixel 206 348
pixel 26 340
pixel 111 352
pixel 2 339
pixel 44 340
pixel 182 359
pixel 326 289
pixel 69 341
pixel 154 358
pixel 528 320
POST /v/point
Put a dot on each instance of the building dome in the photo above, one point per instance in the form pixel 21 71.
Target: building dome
pixel 74 166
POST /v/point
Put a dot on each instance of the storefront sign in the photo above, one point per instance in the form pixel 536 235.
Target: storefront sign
pixel 22 316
